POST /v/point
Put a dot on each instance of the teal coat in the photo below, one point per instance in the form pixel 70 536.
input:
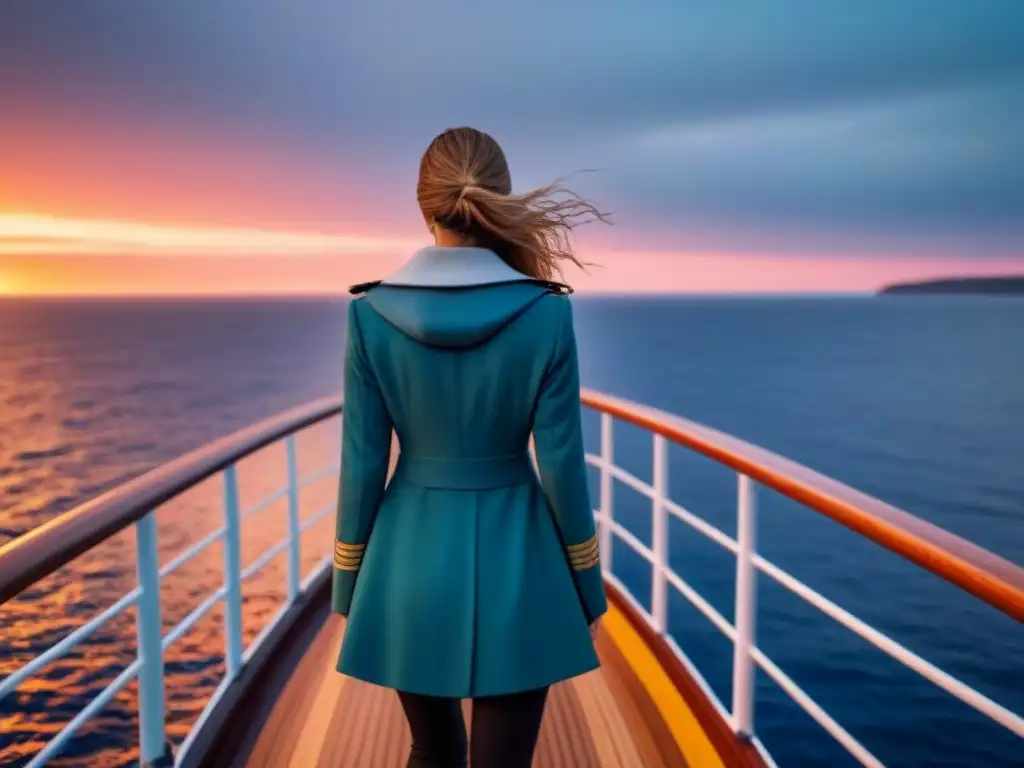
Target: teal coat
pixel 468 575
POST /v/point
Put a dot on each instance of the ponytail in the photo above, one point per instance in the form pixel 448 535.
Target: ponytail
pixel 465 187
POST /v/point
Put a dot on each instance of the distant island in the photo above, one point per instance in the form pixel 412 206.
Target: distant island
pixel 982 286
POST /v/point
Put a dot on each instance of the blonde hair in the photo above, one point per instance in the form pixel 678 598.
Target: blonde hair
pixel 465 187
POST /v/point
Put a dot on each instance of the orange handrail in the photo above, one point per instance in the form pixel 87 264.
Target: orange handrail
pixel 983 574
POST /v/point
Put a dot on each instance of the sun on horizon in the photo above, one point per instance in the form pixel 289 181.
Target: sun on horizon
pixel 38 233
pixel 46 254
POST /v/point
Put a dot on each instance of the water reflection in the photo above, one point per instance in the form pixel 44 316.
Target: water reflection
pixel 48 611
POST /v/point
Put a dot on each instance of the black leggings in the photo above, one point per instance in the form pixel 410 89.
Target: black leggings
pixel 504 730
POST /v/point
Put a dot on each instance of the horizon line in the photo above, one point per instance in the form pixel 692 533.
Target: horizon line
pixel 344 295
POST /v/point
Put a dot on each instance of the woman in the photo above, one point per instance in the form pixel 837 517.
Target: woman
pixel 466 577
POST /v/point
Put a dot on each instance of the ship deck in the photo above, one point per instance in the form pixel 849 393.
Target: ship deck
pixel 281 704
pixel 630 713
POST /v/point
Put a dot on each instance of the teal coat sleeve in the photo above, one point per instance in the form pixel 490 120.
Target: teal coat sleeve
pixel 365 452
pixel 558 441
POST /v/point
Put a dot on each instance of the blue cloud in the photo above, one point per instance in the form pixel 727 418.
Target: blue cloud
pixel 859 124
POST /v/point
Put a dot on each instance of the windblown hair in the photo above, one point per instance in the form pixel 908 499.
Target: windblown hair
pixel 465 187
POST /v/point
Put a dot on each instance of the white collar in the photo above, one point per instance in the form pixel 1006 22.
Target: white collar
pixel 451 267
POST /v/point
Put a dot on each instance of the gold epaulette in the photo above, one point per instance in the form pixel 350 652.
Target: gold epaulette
pixel 360 288
pixel 585 555
pixel 555 287
pixel 348 557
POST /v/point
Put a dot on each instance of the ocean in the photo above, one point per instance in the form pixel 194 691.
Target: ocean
pixel 918 401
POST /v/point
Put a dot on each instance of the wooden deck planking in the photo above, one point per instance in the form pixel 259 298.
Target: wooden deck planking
pixel 276 747
pixel 325 720
pixel 651 736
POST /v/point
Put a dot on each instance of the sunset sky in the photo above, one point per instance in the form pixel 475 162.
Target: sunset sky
pixel 262 147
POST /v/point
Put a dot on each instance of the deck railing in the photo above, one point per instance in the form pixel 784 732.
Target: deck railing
pixel 39 553
pixel 986 576
pixel 42 551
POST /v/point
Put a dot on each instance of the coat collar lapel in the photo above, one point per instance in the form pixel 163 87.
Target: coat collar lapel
pixel 440 267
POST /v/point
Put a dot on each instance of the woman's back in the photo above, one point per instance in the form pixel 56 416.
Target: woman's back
pixel 460 368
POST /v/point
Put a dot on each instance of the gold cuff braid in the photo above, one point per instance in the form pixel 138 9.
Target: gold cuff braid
pixel 348 557
pixel 585 555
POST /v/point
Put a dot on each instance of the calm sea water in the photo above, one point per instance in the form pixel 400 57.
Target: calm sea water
pixel 918 401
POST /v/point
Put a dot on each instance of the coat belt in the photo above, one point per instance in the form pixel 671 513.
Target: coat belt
pixel 464 474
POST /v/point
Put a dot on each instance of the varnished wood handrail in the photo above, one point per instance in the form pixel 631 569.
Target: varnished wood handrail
pixel 983 574
pixel 38 553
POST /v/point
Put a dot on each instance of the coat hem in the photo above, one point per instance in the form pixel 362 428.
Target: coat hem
pixel 468 692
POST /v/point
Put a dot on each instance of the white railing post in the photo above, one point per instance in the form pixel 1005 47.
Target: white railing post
pixel 607 461
pixel 745 609
pixel 232 574
pixel 659 535
pixel 294 533
pixel 149 631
